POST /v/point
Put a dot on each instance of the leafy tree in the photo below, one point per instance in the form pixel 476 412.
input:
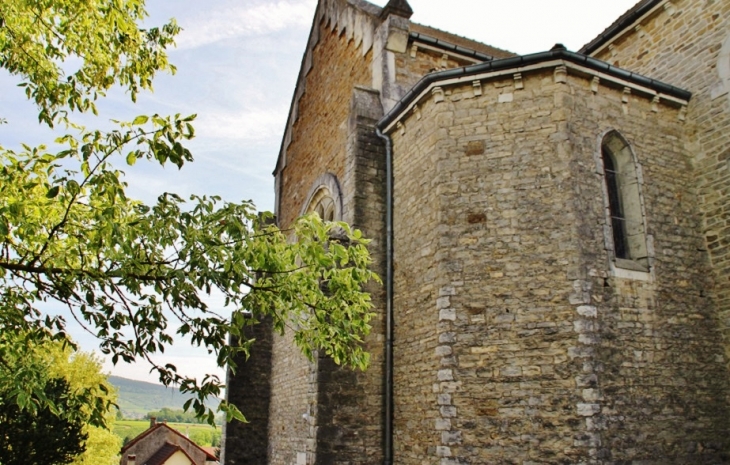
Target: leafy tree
pixel 173 416
pixel 134 274
pixel 42 436
pixel 46 365
pixel 84 373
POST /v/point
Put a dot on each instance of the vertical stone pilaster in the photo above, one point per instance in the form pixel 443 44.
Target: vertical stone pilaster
pixel 349 408
pixel 249 389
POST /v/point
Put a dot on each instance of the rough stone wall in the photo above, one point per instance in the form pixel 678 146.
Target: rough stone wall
pixel 413 65
pixel 683 44
pixel 293 398
pixel 416 236
pixel 250 390
pixel 340 426
pixel 479 184
pixel 320 133
pixel 514 341
pixel 350 404
pixel 650 343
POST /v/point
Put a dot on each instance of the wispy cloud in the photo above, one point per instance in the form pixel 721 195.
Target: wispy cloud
pixel 246 21
pixel 246 125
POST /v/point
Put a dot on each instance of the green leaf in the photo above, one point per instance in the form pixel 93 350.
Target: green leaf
pixel 131 158
pixel 140 120
pixel 53 192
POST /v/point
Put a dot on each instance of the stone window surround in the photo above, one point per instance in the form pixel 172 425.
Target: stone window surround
pixel 723 69
pixel 325 188
pixel 640 269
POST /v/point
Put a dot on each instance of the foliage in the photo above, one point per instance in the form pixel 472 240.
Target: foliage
pixel 83 372
pixel 173 415
pixel 137 275
pixel 38 38
pixel 206 437
pixel 41 436
pixel 87 394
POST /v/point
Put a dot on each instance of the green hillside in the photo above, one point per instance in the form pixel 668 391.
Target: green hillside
pixel 136 398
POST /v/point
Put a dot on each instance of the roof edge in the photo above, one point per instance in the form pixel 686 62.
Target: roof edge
pixel 149 430
pixel 448 46
pixel 364 6
pixel 623 22
pixel 526 60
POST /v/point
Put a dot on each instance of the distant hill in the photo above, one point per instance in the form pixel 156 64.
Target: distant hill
pixel 137 398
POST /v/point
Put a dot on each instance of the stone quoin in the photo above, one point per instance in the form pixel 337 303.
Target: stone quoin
pixel 553 233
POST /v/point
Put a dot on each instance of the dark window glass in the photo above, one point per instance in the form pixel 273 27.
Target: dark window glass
pixel 618 220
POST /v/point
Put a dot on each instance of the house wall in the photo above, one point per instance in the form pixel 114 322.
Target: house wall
pixel 515 342
pixel 178 458
pixel 152 442
pixel 687 43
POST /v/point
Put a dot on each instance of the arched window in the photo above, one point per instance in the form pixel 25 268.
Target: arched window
pixel 625 209
pixel 325 198
pixel 323 205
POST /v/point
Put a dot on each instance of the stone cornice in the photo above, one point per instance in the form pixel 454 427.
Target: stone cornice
pixel 556 58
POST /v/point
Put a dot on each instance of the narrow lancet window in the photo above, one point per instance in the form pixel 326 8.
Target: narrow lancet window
pixel 625 208
pixel 618 221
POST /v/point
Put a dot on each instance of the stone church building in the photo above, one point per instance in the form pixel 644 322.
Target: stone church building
pixel 553 235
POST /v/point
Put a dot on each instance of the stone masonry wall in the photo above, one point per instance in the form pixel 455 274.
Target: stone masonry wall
pixel 249 389
pixel 687 44
pixel 320 413
pixel 320 133
pixel 291 413
pixel 649 342
pixel 350 403
pixel 515 343
pixel 412 66
pixel 415 291
pixel 490 327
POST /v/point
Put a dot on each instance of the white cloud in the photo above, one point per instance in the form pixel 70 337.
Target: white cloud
pixel 255 124
pixel 246 21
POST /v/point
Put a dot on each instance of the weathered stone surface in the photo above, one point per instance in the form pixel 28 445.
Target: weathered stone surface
pixel 519 336
pixel 547 335
pixel 249 389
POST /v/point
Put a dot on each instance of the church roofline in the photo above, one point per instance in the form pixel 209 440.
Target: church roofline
pixel 450 39
pixel 449 42
pixel 555 57
pixel 634 15
pixel 321 13
pixel 447 46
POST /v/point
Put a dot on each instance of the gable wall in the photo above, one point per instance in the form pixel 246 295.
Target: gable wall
pixel 319 135
pixel 151 443
pixel 682 45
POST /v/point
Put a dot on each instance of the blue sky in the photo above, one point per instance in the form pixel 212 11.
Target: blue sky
pixel 237 64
